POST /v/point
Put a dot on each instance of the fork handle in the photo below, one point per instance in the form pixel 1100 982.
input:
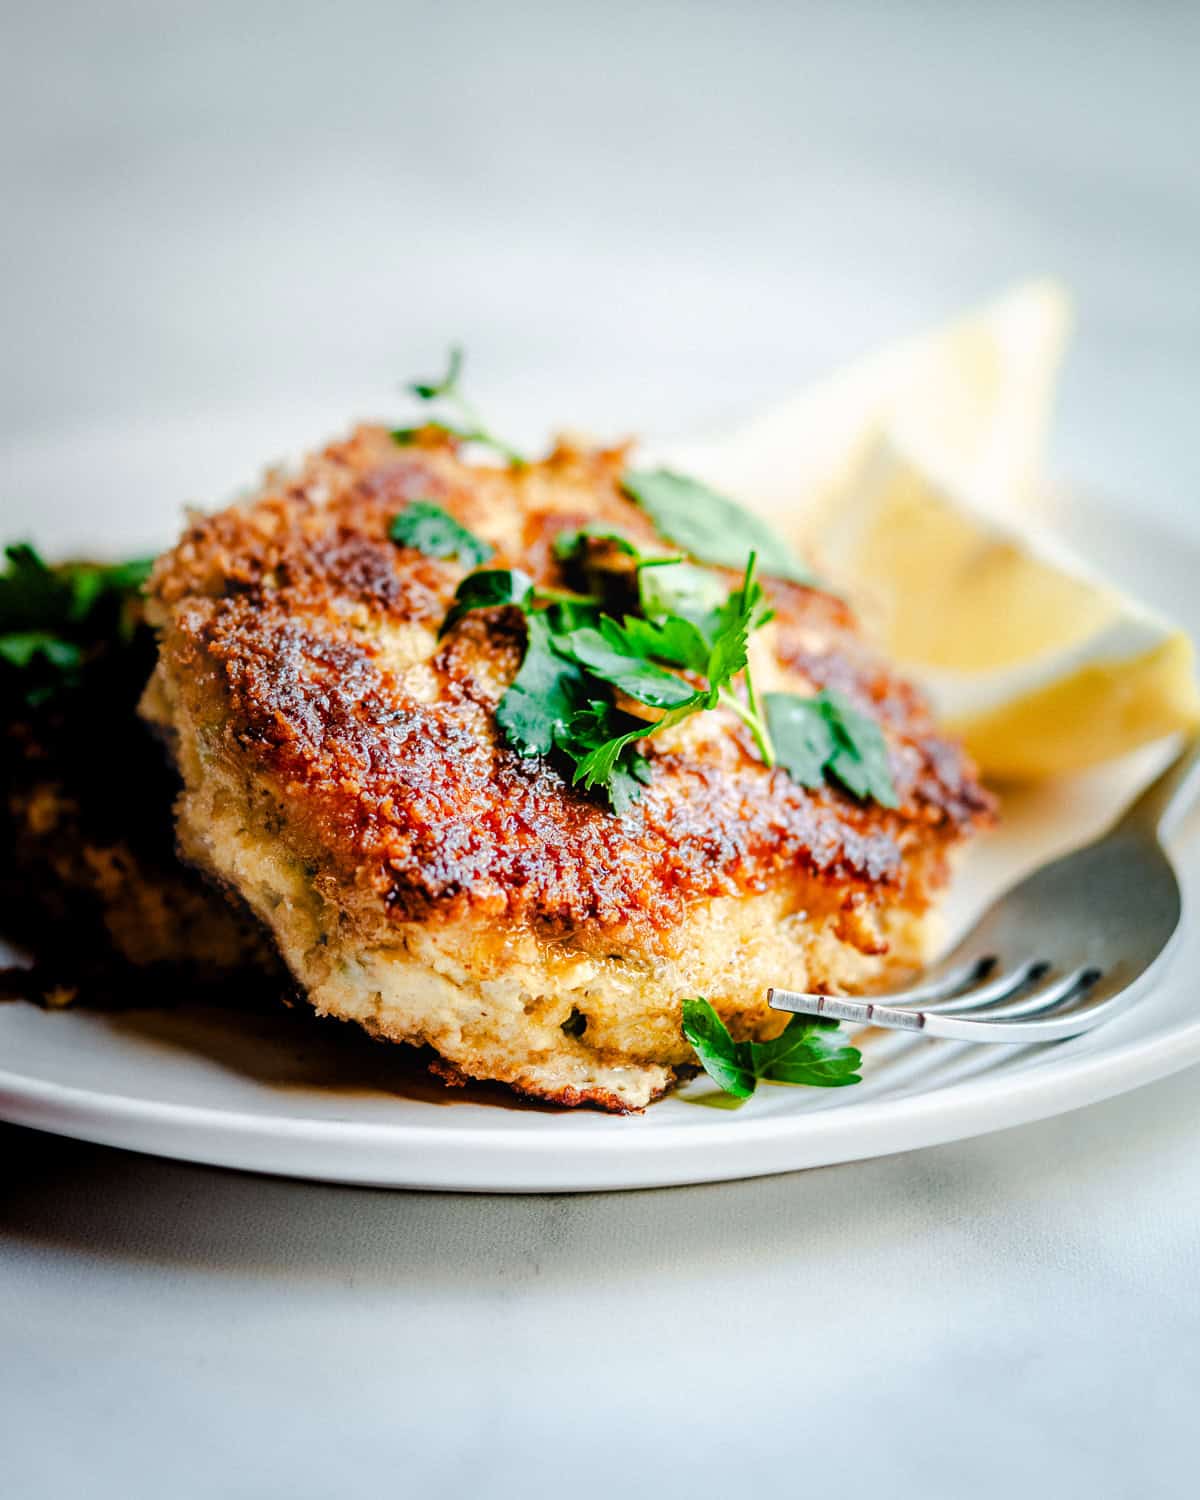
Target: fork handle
pixel 1168 797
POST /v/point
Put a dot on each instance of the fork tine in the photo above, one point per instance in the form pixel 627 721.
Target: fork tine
pixel 953 982
pixel 1065 1020
pixel 1045 1016
pixel 1006 983
pixel 1045 997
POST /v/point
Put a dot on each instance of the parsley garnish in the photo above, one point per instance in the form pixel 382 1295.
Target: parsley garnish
pixel 464 423
pixel 712 527
pixel 580 660
pixel 50 617
pixel 576 659
pixel 536 712
pixel 611 654
pixel 690 592
pixel 828 736
pixel 602 741
pixel 571 544
pixel 808 1051
pixel 436 533
pixel 488 590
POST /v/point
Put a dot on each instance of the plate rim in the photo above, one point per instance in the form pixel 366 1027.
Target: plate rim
pixel 621 1154
pixel 603 1159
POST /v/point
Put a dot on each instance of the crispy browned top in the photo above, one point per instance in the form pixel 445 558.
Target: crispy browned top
pixel 308 634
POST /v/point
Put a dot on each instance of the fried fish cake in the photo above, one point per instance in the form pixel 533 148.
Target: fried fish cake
pixel 345 776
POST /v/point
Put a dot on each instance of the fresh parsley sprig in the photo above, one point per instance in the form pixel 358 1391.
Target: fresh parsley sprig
pixel 686 650
pixel 578 659
pixel 52 618
pixel 462 420
pixel 808 1051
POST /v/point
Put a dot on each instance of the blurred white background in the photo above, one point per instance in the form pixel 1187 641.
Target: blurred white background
pixel 230 228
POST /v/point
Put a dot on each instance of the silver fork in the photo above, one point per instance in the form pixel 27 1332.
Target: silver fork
pixel 1061 951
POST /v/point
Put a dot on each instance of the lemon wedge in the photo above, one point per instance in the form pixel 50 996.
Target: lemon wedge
pixel 1038 665
pixel 970 400
pixel 912 478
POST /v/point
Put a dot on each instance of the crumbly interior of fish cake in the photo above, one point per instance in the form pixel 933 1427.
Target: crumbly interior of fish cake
pixel 344 775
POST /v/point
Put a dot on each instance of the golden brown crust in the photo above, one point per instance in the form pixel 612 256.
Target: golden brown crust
pixel 292 613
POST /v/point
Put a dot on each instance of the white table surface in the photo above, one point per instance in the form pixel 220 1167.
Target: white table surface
pixel 637 215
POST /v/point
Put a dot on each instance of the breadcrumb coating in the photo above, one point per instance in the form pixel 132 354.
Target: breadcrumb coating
pixel 345 777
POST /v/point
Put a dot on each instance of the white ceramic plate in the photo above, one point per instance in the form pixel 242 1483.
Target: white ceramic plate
pixel 284 1094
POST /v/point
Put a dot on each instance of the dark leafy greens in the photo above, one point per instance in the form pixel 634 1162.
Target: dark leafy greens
pixel 53 618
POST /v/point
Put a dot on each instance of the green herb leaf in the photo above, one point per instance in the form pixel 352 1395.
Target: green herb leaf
pixel 681 589
pixel 816 738
pixel 447 385
pixel 431 530
pixel 808 1051
pixel 729 631
pixel 605 655
pixel 720 1056
pixel 20 647
pixel 466 425
pixel 569 544
pixel 710 526
pixel 601 740
pixel 577 657
pixel 35 595
pixel 670 639
pixel 488 590
pixel 803 736
pixel 861 760
pixel 52 617
pixel 544 696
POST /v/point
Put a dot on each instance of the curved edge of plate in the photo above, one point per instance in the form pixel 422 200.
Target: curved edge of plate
pixel 481 1160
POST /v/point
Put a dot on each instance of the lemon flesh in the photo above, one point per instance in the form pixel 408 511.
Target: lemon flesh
pixel 1038 665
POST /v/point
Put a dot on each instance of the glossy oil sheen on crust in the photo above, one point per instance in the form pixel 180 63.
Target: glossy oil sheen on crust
pixel 293 607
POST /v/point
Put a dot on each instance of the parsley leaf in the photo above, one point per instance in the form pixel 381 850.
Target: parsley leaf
pixel 712 527
pixel 605 654
pixel 434 531
pixel 681 589
pixel 808 1051
pixel 578 658
pixel 803 737
pixel 828 736
pixel 600 740
pixel 488 590
pixel 569 544
pixel 545 695
pixel 672 639
pixel 52 618
pixel 19 647
pixel 466 426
